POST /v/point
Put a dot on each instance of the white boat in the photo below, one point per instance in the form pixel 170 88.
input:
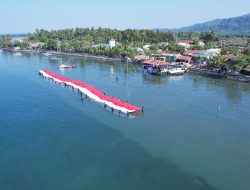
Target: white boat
pixel 67 66
pixel 164 70
pixel 129 59
pixel 55 58
pixel 17 54
pixel 1 51
pixel 47 54
pixel 176 71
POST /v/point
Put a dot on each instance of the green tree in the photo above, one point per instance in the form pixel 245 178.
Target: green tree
pixel 216 62
pixel 176 48
pixel 6 41
pixel 197 47
pixel 247 51
pixel 229 50
pixel 243 60
pixel 196 39
pixel 209 37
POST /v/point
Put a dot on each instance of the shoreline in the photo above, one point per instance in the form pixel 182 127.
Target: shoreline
pixel 204 72
pixel 228 76
pixel 84 55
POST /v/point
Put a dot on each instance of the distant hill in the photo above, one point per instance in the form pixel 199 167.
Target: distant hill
pixel 236 25
pixel 15 35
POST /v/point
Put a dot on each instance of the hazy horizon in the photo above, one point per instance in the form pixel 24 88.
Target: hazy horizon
pixel 27 16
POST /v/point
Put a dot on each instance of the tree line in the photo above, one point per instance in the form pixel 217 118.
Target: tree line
pixel 90 40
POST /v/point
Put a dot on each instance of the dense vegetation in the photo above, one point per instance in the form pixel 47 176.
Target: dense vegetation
pixel 91 40
pixel 100 35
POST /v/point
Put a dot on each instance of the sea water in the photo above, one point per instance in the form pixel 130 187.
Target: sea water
pixel 194 133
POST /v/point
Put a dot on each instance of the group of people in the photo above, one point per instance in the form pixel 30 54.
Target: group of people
pixel 86 96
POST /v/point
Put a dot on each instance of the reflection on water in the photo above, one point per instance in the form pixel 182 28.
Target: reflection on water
pixel 155 79
pixel 162 80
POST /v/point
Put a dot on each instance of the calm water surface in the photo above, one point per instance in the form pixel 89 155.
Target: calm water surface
pixel 194 134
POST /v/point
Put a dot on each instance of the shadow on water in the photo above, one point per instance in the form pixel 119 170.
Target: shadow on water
pixel 83 156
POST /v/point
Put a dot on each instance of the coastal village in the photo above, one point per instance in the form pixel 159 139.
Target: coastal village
pixel 208 55
pixel 222 62
pixel 125 95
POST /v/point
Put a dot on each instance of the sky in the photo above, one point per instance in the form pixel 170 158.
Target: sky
pixel 23 16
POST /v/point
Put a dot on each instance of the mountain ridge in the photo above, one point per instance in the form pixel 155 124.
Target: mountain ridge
pixel 233 25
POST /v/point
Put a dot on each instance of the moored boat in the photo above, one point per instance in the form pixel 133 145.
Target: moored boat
pixel 155 67
pixel 47 54
pixel 55 58
pixel 17 54
pixel 67 66
pixel 176 71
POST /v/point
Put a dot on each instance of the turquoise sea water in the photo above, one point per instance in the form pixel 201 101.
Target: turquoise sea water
pixel 194 133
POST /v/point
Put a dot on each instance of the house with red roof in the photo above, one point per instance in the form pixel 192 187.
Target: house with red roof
pixel 155 67
pixel 184 59
pixel 229 57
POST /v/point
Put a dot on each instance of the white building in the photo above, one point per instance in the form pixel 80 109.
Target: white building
pixel 146 47
pixel 112 43
pixel 214 52
pixel 201 43
pixel 139 50
pixel 17 48
pixel 35 45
